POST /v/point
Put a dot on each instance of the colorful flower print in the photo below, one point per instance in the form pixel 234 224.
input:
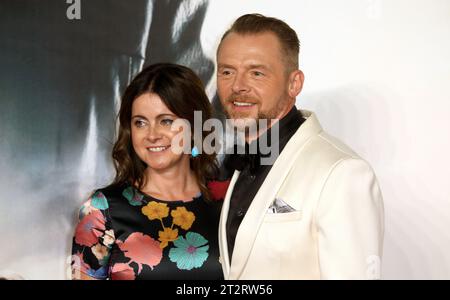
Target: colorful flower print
pixel 101 273
pixel 166 236
pixel 101 253
pixel 183 218
pixel 122 272
pixel 133 196
pixel 90 228
pixel 191 252
pixel 108 238
pixel 86 209
pixel 79 265
pixel 154 210
pixel 141 249
pixel 99 201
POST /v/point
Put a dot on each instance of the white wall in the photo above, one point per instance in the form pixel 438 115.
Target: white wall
pixel 378 75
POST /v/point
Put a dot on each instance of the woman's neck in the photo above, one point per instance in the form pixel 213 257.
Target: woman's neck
pixel 177 183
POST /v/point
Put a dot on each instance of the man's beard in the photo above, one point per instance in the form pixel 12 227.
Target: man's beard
pixel 262 115
pixel 253 127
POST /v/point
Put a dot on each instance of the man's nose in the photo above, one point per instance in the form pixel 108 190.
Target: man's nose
pixel 240 84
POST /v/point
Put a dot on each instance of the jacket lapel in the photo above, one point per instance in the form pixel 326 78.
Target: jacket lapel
pixel 249 227
pixel 223 242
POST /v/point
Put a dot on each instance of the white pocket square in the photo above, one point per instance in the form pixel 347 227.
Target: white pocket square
pixel 278 206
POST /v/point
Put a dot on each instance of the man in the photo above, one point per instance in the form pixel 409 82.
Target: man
pixel 317 212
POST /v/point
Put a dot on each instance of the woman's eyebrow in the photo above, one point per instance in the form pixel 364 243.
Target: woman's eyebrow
pixel 158 116
pixel 164 115
pixel 138 117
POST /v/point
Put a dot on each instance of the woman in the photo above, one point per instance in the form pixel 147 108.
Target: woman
pixel 157 219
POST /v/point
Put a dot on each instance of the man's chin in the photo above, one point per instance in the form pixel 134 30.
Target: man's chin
pixel 240 115
pixel 244 124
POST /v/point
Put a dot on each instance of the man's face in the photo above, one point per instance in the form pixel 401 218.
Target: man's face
pixel 252 82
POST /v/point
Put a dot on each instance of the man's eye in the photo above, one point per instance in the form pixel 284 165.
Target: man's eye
pixel 166 122
pixel 257 74
pixel 139 123
pixel 226 72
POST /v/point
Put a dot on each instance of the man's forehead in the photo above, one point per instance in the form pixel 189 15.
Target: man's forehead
pixel 252 44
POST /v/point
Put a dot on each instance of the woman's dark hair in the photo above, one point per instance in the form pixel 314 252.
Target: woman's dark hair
pixel 182 91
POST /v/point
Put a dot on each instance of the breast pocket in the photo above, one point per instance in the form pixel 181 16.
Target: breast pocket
pixel 279 236
pixel 283 217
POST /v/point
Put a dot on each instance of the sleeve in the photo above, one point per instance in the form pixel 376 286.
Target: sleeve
pixel 92 240
pixel 350 223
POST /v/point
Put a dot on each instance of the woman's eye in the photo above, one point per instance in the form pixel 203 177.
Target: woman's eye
pixel 139 123
pixel 166 122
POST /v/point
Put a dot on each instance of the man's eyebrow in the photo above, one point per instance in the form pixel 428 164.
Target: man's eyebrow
pixel 250 66
pixel 258 66
pixel 219 66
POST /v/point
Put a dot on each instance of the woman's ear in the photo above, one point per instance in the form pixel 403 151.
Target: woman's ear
pixel 296 79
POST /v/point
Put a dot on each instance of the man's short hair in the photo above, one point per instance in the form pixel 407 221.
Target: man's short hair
pixel 257 23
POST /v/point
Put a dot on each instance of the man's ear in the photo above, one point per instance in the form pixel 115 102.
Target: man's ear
pixel 296 79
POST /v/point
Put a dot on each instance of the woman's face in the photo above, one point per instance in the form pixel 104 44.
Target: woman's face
pixel 151 133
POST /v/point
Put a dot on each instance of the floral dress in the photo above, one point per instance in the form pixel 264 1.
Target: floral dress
pixel 125 234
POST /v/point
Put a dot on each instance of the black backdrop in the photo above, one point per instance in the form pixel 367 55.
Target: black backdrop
pixel 60 83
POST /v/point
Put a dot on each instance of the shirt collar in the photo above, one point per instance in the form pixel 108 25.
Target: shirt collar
pixel 287 126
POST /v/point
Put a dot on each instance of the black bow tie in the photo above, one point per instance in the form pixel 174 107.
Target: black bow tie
pixel 241 161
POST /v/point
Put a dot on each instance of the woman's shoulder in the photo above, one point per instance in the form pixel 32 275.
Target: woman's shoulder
pixel 99 200
pixel 101 197
pixel 111 191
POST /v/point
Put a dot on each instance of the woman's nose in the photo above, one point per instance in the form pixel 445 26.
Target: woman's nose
pixel 153 133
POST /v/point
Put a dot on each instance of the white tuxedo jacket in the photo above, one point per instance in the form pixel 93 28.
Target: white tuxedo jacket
pixel 336 230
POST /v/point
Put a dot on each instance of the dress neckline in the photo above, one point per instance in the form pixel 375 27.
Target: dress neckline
pixel 198 196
